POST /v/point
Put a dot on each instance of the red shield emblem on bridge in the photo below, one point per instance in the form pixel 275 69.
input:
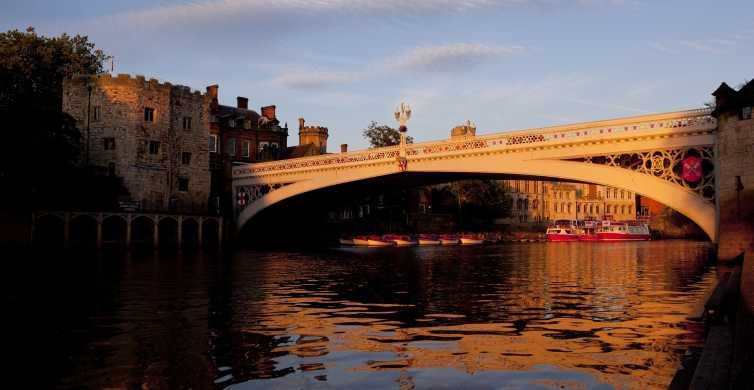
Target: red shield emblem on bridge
pixel 691 169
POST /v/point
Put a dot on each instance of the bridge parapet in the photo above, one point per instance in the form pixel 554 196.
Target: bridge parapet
pixel 667 123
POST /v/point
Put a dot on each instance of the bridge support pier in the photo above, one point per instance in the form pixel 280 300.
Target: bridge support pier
pixel 735 164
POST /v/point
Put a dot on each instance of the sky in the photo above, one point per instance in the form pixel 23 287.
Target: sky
pixel 503 64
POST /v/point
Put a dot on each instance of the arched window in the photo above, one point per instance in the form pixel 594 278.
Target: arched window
pixel 520 204
pixel 526 204
pixel 623 209
pixel 535 204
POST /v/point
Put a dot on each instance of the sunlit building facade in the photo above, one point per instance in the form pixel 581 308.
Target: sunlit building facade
pixel 540 201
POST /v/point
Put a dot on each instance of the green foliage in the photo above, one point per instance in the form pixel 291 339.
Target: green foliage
pixel 383 135
pixel 32 66
pixel 480 202
pixel 41 143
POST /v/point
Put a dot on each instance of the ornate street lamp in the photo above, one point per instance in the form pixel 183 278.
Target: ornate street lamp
pixel 402 115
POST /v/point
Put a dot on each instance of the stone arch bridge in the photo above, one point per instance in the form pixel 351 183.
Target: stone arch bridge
pixel 669 157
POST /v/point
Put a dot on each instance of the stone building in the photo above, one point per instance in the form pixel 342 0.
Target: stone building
pixel 312 141
pixel 153 135
pixel 540 201
pixel 735 158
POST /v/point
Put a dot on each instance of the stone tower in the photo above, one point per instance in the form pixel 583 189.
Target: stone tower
pixel 312 135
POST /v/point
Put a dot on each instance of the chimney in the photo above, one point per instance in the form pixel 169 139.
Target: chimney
pixel 212 93
pixel 300 124
pixel 268 112
pixel 242 102
pixel 344 148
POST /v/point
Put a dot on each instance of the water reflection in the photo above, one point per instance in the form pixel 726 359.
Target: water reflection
pixel 520 315
pixel 535 313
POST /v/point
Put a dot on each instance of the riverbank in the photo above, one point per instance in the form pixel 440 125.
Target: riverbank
pixel 727 359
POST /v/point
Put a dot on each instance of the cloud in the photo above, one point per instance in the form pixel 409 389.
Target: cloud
pixel 450 55
pixel 697 45
pixel 437 58
pixel 310 79
pixel 660 47
pixel 261 10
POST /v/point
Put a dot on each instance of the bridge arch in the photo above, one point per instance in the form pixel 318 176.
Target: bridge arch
pixel 682 200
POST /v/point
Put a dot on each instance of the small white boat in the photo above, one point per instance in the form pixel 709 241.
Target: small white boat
pixel 471 240
pixel 360 241
pixel 379 241
pixel 346 242
pixel 428 239
pixel 449 239
pixel 399 240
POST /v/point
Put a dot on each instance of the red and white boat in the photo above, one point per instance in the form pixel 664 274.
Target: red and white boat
pixel 375 240
pixel 562 234
pixel 400 240
pixel 623 231
pixel 449 239
pixel 471 239
pixel 360 241
pixel 428 239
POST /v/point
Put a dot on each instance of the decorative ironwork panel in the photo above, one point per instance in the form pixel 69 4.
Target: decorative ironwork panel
pixel 246 195
pixel 691 168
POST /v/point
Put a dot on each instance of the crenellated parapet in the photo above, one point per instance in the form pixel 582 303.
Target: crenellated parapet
pixel 104 80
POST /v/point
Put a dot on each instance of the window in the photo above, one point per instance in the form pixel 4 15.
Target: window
pixel 231 123
pixel 109 143
pixel 96 113
pixel 154 147
pixel 746 113
pixel 607 209
pixel 263 146
pixel 148 114
pixel 187 123
pixel 186 158
pixel 247 124
pixel 213 143
pixel 183 184
pixel 629 209
pixel 230 147
pixel 245 146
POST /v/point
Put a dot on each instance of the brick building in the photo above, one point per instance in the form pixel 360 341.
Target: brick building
pixel 153 135
pixel 239 135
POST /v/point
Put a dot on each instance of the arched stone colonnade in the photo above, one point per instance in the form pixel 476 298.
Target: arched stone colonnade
pixel 62 228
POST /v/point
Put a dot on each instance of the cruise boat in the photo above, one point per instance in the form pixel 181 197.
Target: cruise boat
pixel 361 241
pixel 449 239
pixel 623 231
pixel 428 239
pixel 471 239
pixel 375 240
pixel 400 240
pixel 562 234
pixel 588 230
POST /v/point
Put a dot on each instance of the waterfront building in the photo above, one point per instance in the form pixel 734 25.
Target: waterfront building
pixel 239 135
pixel 152 135
pixel 540 201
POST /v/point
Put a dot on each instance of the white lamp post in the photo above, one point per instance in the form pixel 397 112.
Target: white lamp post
pixel 402 115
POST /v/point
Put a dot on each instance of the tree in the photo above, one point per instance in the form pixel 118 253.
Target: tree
pixel 383 135
pixel 480 202
pixel 41 143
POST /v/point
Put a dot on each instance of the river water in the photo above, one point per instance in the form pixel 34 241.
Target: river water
pixel 535 315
